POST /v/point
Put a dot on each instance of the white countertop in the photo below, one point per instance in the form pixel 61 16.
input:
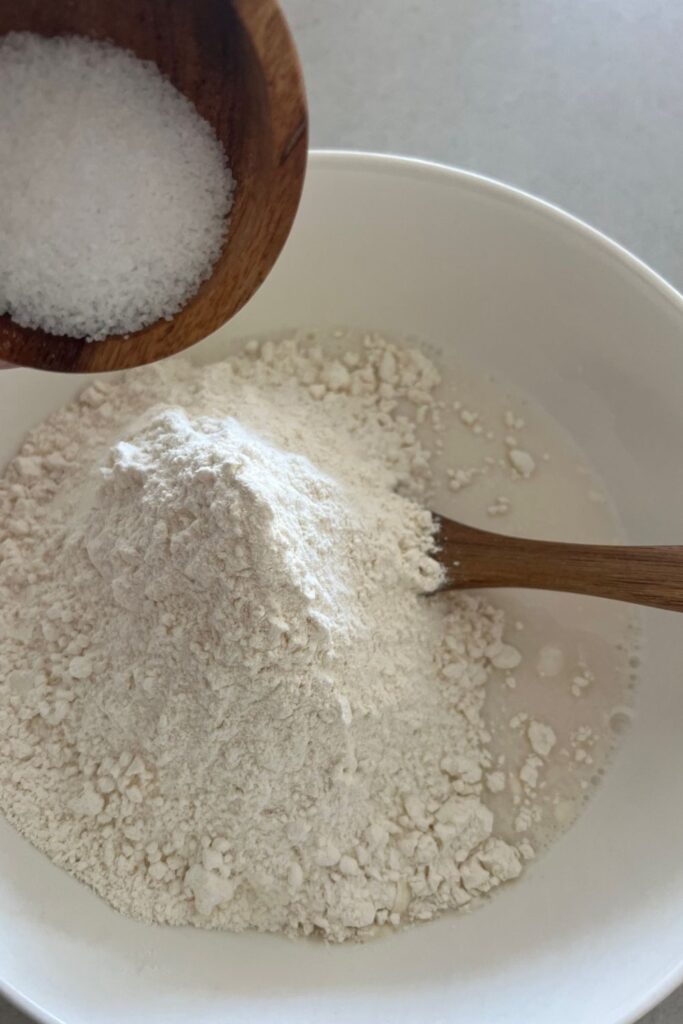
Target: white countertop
pixel 577 101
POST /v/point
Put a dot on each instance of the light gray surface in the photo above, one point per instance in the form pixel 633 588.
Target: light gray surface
pixel 578 101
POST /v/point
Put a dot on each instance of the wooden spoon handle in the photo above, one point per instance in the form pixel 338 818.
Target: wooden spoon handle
pixel 642 575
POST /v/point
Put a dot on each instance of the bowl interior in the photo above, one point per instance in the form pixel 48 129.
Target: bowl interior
pixel 237 63
pixel 596 338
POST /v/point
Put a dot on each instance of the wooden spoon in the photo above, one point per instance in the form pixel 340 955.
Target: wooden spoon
pixel 236 61
pixel 643 575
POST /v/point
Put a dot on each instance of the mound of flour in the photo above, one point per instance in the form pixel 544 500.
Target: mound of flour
pixel 224 697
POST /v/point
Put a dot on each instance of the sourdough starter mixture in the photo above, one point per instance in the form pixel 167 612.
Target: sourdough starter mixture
pixel 225 699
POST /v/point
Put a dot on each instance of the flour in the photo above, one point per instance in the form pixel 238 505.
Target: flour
pixel 224 697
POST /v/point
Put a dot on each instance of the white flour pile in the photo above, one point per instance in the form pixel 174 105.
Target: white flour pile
pixel 114 192
pixel 224 699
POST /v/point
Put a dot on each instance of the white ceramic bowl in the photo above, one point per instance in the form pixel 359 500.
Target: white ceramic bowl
pixel 594 932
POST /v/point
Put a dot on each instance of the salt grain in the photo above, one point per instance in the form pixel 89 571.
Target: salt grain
pixel 114 192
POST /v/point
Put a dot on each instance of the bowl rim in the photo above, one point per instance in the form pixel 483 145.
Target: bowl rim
pixel 415 167
pixel 419 167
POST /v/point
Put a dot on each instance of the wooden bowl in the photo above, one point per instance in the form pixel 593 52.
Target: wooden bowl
pixel 236 61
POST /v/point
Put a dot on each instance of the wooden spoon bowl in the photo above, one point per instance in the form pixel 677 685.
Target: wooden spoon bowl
pixel 236 61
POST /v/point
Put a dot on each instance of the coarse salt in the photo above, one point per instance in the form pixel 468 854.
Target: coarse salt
pixel 114 192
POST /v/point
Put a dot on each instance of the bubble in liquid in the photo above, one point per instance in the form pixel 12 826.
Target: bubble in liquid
pixel 620 720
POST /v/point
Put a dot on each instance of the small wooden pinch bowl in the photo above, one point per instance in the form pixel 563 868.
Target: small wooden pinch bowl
pixel 236 61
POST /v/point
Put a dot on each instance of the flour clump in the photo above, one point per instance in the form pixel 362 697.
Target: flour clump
pixel 224 696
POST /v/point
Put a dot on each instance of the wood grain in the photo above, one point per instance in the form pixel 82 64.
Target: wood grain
pixel 236 61
pixel 641 575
